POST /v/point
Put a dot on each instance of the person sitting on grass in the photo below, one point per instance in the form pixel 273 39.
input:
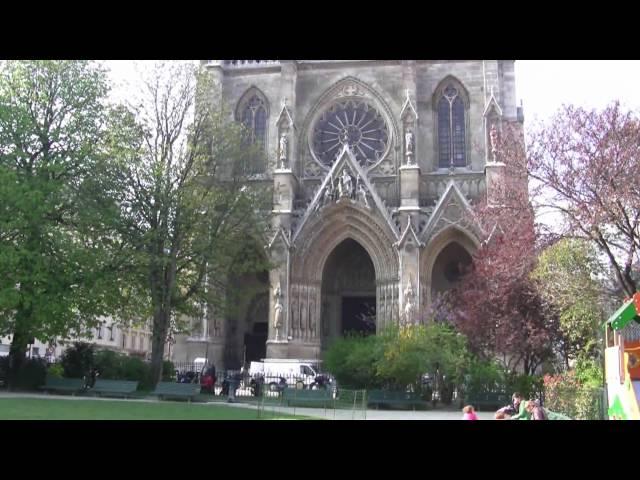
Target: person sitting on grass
pixel 507 412
pixel 522 414
pixel 469 413
pixel 539 413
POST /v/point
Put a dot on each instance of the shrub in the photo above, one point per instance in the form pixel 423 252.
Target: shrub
pixel 490 376
pixel 565 394
pixel 136 369
pixel 413 351
pixel 4 370
pixel 483 377
pixel 78 360
pixel 398 357
pixel 55 370
pixel 168 371
pixel 530 386
pixel 352 360
pixel 32 374
pixel 109 364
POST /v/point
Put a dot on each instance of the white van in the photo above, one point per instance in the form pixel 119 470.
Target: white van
pixel 296 373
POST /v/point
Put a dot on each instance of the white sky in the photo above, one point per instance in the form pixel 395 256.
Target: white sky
pixel 544 85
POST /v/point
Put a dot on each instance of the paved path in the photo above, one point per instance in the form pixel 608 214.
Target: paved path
pixel 373 414
pixel 271 410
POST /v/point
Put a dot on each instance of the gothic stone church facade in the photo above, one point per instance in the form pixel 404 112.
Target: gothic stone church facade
pixel 373 165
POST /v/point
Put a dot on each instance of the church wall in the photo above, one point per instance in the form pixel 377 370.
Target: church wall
pixel 304 84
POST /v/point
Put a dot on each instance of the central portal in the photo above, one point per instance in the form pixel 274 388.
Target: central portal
pixel 348 292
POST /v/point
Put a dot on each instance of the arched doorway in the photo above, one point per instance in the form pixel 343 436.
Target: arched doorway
pixel 450 264
pixel 247 316
pixel 348 292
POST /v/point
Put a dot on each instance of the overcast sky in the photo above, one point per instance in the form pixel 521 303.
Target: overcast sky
pixel 544 85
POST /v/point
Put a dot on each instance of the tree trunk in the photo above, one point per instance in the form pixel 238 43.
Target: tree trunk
pixel 17 353
pixel 160 328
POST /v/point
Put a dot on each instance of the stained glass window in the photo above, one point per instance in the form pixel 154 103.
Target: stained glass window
pixel 451 129
pixel 352 123
pixel 254 117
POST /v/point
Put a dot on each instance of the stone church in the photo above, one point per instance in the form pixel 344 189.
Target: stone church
pixel 374 165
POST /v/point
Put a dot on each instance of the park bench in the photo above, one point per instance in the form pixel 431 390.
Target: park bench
pixel 391 397
pixel 292 396
pixel 123 388
pixel 56 384
pixel 176 390
pixel 491 400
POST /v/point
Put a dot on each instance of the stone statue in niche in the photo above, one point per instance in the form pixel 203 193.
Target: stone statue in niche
pixel 362 191
pixel 312 317
pixel 493 134
pixel 328 194
pixel 295 316
pixel 409 304
pixel 303 314
pixel 277 318
pixel 284 144
pixel 409 145
pixel 345 186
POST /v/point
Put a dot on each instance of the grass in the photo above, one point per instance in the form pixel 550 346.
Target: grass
pixel 86 409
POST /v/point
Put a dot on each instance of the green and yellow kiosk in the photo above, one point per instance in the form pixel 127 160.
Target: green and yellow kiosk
pixel 622 365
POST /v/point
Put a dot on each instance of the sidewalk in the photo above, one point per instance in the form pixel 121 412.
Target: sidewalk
pixel 345 414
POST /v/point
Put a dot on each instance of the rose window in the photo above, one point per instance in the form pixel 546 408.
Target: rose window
pixel 352 123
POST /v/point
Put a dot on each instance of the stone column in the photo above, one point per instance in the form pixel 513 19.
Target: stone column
pixel 494 173
pixel 289 78
pixel 409 288
pixel 284 188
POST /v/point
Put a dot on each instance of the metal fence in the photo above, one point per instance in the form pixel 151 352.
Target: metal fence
pixel 352 403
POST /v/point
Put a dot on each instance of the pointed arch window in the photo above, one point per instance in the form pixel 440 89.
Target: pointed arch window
pixel 254 118
pixel 451 128
pixel 253 112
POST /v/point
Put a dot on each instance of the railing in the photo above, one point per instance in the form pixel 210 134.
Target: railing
pixel 231 64
pixel 432 186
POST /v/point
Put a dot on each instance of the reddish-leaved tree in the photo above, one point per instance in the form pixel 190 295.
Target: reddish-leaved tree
pixel 496 305
pixel 585 164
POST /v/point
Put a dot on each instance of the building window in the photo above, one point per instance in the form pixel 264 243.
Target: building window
pixel 356 124
pixel 254 118
pixel 124 341
pixel 99 329
pixel 252 112
pixel 141 343
pixel 451 128
pixel 112 333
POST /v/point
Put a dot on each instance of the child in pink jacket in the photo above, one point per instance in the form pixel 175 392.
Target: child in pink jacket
pixel 469 413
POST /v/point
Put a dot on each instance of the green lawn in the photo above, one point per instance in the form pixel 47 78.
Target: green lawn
pixel 84 409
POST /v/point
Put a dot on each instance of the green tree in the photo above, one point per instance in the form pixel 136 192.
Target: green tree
pixel 55 262
pixel 353 359
pixel 410 352
pixel 187 212
pixel 566 276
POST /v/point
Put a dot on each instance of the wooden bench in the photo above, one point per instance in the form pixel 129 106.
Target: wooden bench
pixel 488 399
pixel 176 390
pixel 305 397
pixel 391 397
pixel 56 384
pixel 122 388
